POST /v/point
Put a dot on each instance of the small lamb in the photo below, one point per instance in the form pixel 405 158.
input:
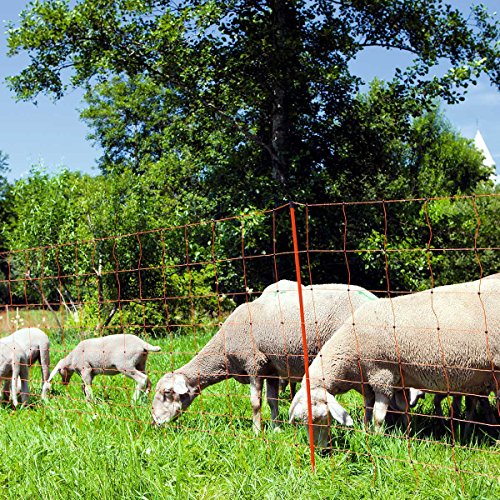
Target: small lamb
pixel 14 364
pixel 444 340
pixel 121 353
pixel 35 345
pixel 261 341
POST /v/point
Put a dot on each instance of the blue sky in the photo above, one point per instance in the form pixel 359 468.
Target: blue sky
pixel 53 135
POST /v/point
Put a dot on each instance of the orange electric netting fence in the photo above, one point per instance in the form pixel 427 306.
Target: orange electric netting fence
pixel 238 299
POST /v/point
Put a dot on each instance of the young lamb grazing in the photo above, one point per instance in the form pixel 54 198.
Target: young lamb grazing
pixel 35 344
pixel 14 365
pixel 260 340
pixel 444 340
pixel 109 355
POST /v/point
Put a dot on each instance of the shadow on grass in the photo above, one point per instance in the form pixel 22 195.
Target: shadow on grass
pixel 432 427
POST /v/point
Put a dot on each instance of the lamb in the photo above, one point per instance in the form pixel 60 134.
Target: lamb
pixel 14 364
pixel 260 340
pixel 434 340
pixel 109 355
pixel 35 345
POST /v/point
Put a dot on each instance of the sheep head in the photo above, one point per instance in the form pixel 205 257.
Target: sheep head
pixel 173 395
pixel 323 404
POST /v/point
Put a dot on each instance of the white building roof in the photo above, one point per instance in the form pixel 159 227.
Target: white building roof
pixel 480 144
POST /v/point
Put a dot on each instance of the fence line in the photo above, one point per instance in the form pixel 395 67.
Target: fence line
pixel 164 284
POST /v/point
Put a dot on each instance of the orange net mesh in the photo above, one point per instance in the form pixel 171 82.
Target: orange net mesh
pixel 175 287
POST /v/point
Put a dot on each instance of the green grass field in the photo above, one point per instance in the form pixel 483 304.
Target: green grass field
pixel 67 448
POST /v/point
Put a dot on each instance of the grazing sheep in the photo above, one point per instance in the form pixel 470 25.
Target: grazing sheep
pixel 260 340
pixel 14 364
pixel 35 344
pixel 434 340
pixel 109 355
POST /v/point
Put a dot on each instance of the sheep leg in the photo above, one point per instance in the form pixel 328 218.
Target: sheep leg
pixel 143 383
pixel 24 373
pixel 45 363
pixel 369 400
pixel 400 405
pixel 256 402
pixel 380 410
pixel 438 409
pixel 456 407
pixel 400 400
pixel 283 382
pixel 470 408
pixel 87 378
pixel 13 386
pixel 487 410
pixel 272 385
pixel 6 390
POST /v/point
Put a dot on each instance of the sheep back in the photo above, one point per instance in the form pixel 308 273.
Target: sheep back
pixel 113 352
pixel 442 339
pixel 264 336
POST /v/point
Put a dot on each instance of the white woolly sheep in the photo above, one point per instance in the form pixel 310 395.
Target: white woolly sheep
pixel 109 355
pixel 260 340
pixel 14 364
pixel 35 345
pixel 444 340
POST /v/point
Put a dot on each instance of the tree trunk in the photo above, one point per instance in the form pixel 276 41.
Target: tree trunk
pixel 284 23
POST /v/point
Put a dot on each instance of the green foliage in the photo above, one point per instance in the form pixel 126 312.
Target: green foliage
pixel 258 93
pixel 4 161
pixel 81 240
pixel 207 109
pixel 448 241
pixel 467 230
pixel 104 234
pixel 5 211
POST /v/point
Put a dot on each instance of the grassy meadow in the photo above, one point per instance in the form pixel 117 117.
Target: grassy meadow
pixel 67 448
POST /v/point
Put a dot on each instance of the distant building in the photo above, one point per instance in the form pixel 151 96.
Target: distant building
pixel 489 162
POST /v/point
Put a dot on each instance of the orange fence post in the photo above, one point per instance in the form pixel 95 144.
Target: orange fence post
pixel 304 337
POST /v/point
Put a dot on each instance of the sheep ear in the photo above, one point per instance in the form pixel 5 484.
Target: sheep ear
pixel 291 414
pixel 415 395
pixel 296 401
pixel 54 372
pixel 180 386
pixel 337 411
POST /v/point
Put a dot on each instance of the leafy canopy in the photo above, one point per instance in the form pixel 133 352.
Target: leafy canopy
pixel 210 108
pixel 257 90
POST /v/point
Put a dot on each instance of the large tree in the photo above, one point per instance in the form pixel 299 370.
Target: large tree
pixel 260 90
pixel 209 108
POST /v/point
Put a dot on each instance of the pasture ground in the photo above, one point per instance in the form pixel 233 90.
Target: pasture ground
pixel 67 448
